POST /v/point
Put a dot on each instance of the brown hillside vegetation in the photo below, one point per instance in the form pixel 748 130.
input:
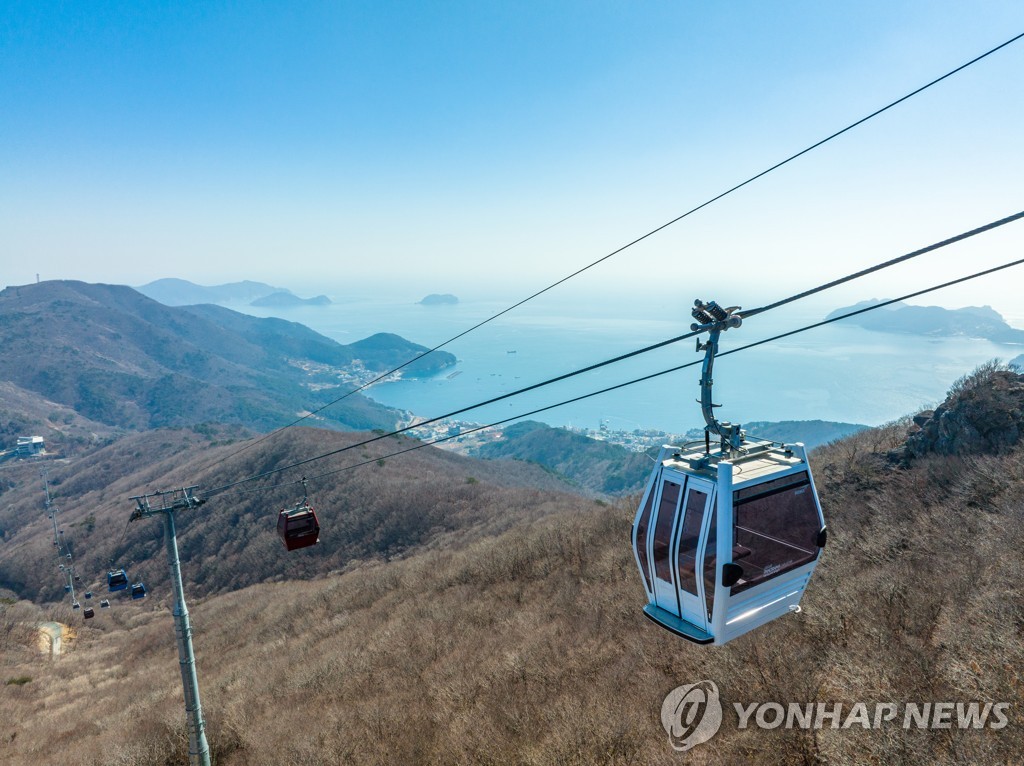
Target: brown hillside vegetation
pixel 25 413
pixel 381 510
pixel 528 647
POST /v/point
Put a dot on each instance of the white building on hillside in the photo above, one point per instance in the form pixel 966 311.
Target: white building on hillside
pixel 30 445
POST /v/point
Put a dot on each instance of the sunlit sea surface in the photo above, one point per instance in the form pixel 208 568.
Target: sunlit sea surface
pixel 837 372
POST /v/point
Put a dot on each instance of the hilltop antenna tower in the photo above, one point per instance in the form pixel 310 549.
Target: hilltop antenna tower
pixel 169 502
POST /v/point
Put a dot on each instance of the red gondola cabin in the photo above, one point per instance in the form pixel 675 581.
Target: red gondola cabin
pixel 298 528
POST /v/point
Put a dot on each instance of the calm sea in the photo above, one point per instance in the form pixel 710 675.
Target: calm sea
pixel 837 372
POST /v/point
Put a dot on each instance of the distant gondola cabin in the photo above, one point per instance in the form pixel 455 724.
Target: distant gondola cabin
pixel 117 579
pixel 298 528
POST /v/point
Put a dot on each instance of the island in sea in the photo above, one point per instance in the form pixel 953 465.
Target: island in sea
pixel 971 321
pixel 439 299
pixel 286 299
pixel 181 292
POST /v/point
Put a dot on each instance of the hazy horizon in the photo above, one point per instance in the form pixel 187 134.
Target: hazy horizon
pixel 466 145
pixel 655 300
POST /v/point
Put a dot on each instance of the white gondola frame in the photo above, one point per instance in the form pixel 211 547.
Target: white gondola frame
pixel 732 615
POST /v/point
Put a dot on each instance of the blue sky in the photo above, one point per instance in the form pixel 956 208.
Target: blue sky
pixel 454 145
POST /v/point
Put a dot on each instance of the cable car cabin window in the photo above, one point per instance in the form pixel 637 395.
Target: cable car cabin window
pixel 301 524
pixel 776 528
pixel 641 538
pixel 689 537
pixel 663 531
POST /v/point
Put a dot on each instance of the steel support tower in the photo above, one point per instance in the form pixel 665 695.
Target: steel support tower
pixel 169 503
pixel 58 542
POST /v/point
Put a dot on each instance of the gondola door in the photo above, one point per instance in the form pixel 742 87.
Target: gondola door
pixel 663 526
pixel 691 536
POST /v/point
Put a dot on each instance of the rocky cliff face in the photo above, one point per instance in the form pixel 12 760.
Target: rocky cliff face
pixel 983 414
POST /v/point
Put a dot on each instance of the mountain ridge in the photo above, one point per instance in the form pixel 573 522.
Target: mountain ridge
pixel 971 321
pixel 172 291
pixel 123 359
pixel 285 299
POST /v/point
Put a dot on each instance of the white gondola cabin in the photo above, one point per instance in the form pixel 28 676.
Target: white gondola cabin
pixel 726 545
pixel 726 538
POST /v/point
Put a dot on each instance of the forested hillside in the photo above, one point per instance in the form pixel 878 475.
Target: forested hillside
pixel 124 360
pixel 25 413
pixel 594 466
pixel 604 468
pixel 521 641
pixel 379 511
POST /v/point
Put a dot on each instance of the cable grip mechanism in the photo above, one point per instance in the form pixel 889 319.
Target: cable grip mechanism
pixel 714 320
